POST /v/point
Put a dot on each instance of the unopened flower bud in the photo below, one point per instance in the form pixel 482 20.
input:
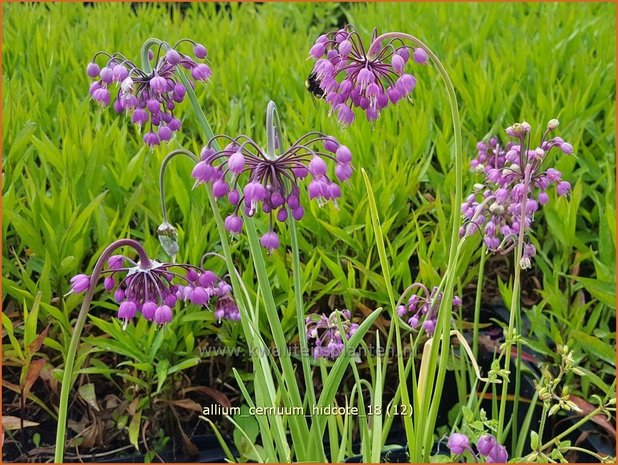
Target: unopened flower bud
pixel 168 238
pixel 496 209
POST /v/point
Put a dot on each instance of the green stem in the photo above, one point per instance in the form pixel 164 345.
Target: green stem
pixel 443 325
pixel 273 135
pixel 298 425
pixel 515 416
pixel 477 302
pixel 585 451
pixel 556 441
pixel 166 160
pixel 273 130
pixel 264 374
pixel 514 316
pixel 375 221
pixel 257 351
pixel 300 314
pixel 332 420
pixel 508 345
pixel 198 111
pixel 543 420
pixel 69 364
pixel 145 49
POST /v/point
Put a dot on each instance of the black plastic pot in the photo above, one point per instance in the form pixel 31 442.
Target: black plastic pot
pixel 209 452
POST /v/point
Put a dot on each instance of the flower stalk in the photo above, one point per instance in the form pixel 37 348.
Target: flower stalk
pixel 67 376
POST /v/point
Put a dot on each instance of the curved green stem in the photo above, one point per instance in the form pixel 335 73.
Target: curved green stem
pixel 67 376
pixel 556 441
pixel 300 314
pixel 264 373
pixel 273 130
pixel 423 449
pixel 477 302
pixel 146 48
pixel 166 160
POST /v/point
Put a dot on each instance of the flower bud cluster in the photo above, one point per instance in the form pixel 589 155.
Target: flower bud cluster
pixel 422 309
pixel 324 333
pixel 487 446
pixel 515 187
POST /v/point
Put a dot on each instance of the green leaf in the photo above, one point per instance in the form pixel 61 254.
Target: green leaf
pixel 191 362
pixel 604 291
pixel 86 392
pixel 247 424
pixel 534 440
pixel 134 428
pixel 596 347
pixel 7 324
pixel 32 319
pixel 162 370
pixel 222 442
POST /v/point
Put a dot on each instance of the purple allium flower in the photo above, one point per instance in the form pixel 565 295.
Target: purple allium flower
pixel 324 336
pixel 251 178
pixel 498 454
pixel 515 177
pixel 150 97
pixel 458 443
pixel 155 289
pixel 422 309
pixel 352 75
pixel 270 241
pixel 485 444
pixel 80 283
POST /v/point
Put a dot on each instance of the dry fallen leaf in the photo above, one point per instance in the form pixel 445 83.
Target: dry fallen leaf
pixel 215 394
pixel 12 423
pixel 32 375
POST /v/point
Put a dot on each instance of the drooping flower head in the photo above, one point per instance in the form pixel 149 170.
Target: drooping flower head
pixel 148 95
pixel 324 335
pixel 458 443
pixel 516 177
pixel 254 178
pixel 351 74
pixel 154 288
pixel 421 309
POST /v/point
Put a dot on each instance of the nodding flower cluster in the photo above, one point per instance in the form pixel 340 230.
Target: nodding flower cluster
pixel 324 335
pixel 487 446
pixel 149 289
pixel 516 182
pixel 351 75
pixel 249 176
pixel 423 307
pixel 149 96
